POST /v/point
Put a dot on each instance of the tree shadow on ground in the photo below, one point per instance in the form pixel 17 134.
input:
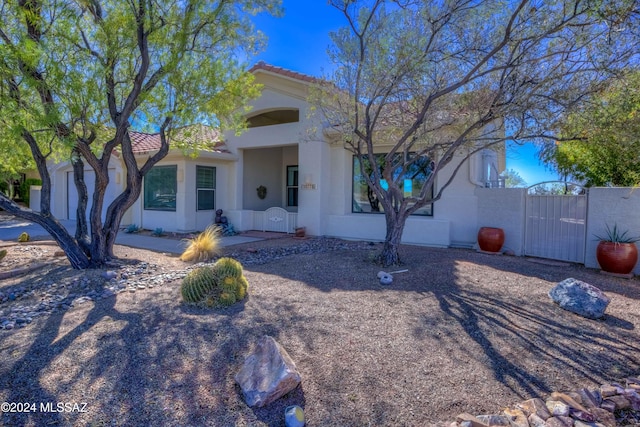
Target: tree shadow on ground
pixel 518 336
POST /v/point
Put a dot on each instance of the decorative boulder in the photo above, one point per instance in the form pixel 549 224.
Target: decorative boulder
pixel 267 374
pixel 581 298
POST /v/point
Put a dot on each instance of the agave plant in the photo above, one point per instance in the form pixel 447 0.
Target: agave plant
pixel 615 235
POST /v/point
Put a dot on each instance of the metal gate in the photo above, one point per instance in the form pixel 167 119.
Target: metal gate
pixel 556 227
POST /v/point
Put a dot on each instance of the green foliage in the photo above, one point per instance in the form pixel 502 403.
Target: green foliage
pixel 132 228
pixel 75 76
pixel 25 189
pixel 198 284
pixel 614 235
pixel 202 247
pixel 3 253
pixel 512 179
pixel 24 237
pixel 603 138
pixel 158 232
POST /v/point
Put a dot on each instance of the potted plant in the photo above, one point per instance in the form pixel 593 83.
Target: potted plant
pixel 617 251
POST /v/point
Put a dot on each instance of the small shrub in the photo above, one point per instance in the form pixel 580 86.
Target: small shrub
pixel 24 237
pixel 202 247
pixel 158 232
pixel 198 284
pixel 132 228
pixel 227 230
pixel 3 253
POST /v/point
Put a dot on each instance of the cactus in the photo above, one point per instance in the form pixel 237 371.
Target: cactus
pixel 23 237
pixel 218 286
pixel 243 287
pixel 227 298
pixel 198 284
pixel 227 267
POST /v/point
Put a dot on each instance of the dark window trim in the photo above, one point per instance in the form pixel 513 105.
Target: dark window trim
pixel 295 187
pixel 198 189
pixel 168 209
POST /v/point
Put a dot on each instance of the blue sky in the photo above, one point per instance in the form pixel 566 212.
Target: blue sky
pixel 299 40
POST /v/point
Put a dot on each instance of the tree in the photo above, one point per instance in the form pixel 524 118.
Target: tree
pixel 420 80
pixel 512 179
pixel 601 142
pixel 75 76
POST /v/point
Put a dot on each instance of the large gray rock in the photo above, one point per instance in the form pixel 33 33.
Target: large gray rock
pixel 267 374
pixel 581 298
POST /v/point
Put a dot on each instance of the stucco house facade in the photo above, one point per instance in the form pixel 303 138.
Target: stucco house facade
pixel 277 163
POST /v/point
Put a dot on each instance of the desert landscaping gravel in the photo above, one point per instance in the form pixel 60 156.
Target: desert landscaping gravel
pixel 461 331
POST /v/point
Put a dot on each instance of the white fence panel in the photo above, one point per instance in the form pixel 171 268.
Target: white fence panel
pixel 556 227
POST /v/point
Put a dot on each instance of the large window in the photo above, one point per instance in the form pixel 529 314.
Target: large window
pixel 206 188
pixel 364 198
pixel 292 185
pixel 160 187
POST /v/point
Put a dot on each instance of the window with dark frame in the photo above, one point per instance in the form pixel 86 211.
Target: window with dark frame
pixel 160 188
pixel 364 199
pixel 292 185
pixel 206 188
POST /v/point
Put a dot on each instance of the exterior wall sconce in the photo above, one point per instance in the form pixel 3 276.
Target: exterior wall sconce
pixel 308 182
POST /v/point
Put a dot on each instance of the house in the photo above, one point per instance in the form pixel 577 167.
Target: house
pixel 277 175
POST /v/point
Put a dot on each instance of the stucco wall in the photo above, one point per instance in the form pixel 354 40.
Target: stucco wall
pixel 503 208
pixel 611 206
pixel 262 167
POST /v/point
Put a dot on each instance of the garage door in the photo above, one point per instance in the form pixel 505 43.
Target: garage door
pixel 90 180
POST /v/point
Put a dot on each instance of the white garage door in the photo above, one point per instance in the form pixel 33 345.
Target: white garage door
pixel 90 179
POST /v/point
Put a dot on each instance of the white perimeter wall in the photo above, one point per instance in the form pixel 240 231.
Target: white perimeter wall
pixel 505 208
pixel 611 206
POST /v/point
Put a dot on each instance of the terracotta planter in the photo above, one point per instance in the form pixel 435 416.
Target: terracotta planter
pixel 490 239
pixel 618 258
pixel 300 231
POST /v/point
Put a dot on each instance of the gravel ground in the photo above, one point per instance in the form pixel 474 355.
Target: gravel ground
pixel 459 332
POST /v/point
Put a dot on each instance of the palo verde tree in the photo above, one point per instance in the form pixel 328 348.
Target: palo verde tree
pixel 601 141
pixel 77 75
pixel 418 84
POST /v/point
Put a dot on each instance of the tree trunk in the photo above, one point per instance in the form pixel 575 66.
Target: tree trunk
pixel 395 227
pixel 75 254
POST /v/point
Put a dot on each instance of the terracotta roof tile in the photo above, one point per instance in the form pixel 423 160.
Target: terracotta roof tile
pixel 283 72
pixel 145 142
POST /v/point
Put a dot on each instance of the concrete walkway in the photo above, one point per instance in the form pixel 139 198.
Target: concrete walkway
pixel 11 229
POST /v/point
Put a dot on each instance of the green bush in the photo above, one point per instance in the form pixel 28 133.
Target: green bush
pixel 24 237
pixel 25 188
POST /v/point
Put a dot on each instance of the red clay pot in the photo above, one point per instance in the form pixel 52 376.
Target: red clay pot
pixel 618 258
pixel 490 239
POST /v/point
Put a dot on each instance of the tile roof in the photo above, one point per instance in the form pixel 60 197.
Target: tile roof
pixel 283 72
pixel 145 142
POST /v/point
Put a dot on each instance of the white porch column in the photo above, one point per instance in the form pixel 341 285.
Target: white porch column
pixel 314 188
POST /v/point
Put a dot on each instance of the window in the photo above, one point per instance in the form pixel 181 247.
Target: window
pixel 160 187
pixel 206 188
pixel 364 198
pixel 274 117
pixel 292 185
